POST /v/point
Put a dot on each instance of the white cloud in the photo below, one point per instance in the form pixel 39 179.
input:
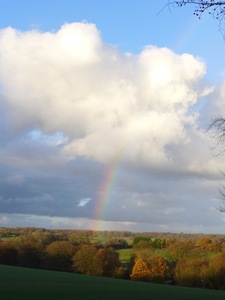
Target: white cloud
pixel 83 202
pixel 71 105
pixel 102 101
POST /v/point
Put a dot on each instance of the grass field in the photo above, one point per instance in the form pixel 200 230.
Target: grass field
pixel 23 284
pixel 125 255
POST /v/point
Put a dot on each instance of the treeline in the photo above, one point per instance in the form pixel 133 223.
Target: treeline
pixel 71 251
pixel 187 260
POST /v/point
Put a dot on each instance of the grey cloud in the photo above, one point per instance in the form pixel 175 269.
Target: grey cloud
pixel 71 116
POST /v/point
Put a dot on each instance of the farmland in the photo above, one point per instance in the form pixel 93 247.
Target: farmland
pixel 22 284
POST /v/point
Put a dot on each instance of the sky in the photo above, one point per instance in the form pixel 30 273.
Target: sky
pixel 104 110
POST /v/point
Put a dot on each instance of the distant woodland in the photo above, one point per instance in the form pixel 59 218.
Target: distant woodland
pixel 194 260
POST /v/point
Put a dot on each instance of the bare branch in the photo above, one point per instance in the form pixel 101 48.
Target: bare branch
pixel 215 8
pixel 221 196
pixel 217 127
pixel 221 190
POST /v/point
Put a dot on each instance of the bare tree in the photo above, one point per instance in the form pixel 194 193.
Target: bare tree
pixel 217 127
pixel 215 8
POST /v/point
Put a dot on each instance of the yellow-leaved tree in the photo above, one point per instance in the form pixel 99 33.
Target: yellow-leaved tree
pixel 158 269
pixel 140 270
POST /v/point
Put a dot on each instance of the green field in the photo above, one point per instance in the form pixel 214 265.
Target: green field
pixel 23 284
pixel 125 255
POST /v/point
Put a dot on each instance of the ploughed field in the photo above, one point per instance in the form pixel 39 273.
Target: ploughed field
pixel 22 284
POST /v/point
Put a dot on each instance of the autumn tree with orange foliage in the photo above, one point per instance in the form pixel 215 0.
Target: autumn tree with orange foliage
pixel 209 245
pixel 156 271
pixel 140 271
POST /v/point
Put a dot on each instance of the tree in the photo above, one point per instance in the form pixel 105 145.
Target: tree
pixel 79 237
pixel 216 272
pixel 43 237
pixel 159 243
pixel 217 127
pixel 29 252
pixel 205 244
pixel 108 259
pixel 86 261
pixel 208 245
pixel 93 261
pixel 191 272
pixel 117 243
pixel 139 239
pixel 59 254
pixel 180 249
pixel 155 271
pixel 140 271
pixel 158 269
pixel 198 272
pixel 8 254
pixel 215 8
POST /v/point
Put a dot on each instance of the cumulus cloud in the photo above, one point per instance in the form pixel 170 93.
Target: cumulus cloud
pixel 73 107
pixel 102 102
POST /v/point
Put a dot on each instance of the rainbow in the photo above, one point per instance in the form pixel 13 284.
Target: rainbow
pixel 113 167
pixel 105 190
